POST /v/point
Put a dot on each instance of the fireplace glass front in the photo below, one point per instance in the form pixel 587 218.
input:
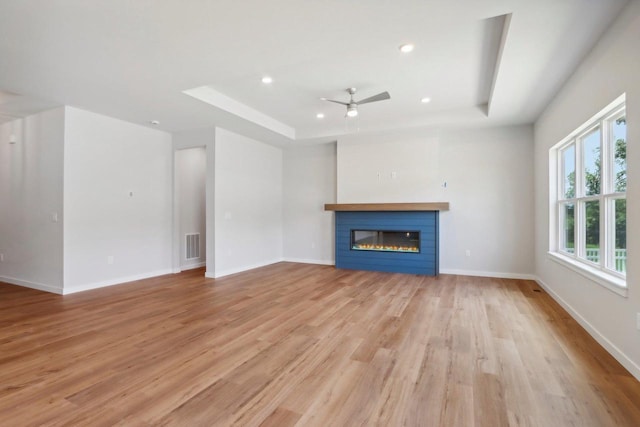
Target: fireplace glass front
pixel 385 241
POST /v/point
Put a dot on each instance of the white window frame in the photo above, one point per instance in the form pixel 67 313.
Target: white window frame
pixel 602 272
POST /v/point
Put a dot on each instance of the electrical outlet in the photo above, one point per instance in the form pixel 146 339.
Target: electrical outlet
pixel 110 259
pixel 638 321
pixel 1 257
pixel 467 252
pixel 394 175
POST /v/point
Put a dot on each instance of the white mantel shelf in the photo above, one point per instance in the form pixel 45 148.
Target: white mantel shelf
pixel 360 207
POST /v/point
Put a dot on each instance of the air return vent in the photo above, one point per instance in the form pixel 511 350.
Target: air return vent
pixel 192 245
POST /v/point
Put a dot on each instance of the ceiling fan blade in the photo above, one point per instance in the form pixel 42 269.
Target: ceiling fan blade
pixel 337 102
pixel 379 97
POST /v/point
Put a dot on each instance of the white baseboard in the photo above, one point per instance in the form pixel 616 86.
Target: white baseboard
pixel 230 271
pixel 488 274
pixel 32 285
pixel 117 281
pixel 624 360
pixel 191 266
pixel 310 261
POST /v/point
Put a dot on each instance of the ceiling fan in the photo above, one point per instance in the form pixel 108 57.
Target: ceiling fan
pixel 352 105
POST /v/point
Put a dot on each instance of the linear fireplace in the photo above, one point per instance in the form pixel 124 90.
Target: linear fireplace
pixel 392 237
pixel 398 241
pixel 385 241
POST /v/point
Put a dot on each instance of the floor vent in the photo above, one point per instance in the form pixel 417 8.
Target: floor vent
pixel 192 245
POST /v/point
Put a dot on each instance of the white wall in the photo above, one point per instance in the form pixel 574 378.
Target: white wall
pixel 248 203
pixel 309 183
pixel 190 176
pixel 105 161
pixel 31 188
pixel 366 162
pixel 611 69
pixel 489 185
pixel 199 138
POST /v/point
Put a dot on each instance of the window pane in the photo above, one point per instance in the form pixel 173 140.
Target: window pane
pixel 592 231
pixel 620 153
pixel 569 172
pixel 620 255
pixel 568 227
pixel 592 162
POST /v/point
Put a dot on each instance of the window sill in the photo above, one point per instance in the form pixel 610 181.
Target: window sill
pixel 609 281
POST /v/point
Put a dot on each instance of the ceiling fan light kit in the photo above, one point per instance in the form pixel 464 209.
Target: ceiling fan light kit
pixel 406 48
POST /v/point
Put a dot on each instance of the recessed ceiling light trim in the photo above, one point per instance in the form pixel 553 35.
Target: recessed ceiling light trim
pixel 425 100
pixel 320 115
pixel 267 80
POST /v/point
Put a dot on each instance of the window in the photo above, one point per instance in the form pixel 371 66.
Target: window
pixel 590 215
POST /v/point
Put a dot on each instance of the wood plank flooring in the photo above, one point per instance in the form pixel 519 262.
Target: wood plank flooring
pixel 294 344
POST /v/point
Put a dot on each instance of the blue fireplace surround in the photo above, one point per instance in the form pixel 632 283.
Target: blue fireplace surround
pixel 425 262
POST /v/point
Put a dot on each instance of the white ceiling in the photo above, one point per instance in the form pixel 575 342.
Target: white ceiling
pixel 133 59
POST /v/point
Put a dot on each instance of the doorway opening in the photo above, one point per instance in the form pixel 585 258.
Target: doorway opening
pixel 190 210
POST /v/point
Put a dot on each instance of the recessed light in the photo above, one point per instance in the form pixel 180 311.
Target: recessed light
pixel 425 100
pixel 320 116
pixel 267 80
pixel 406 48
pixel 154 122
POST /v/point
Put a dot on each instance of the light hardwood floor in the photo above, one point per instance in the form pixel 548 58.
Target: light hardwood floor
pixel 295 344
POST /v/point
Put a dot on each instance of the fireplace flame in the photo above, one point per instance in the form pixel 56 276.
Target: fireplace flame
pixel 370 247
